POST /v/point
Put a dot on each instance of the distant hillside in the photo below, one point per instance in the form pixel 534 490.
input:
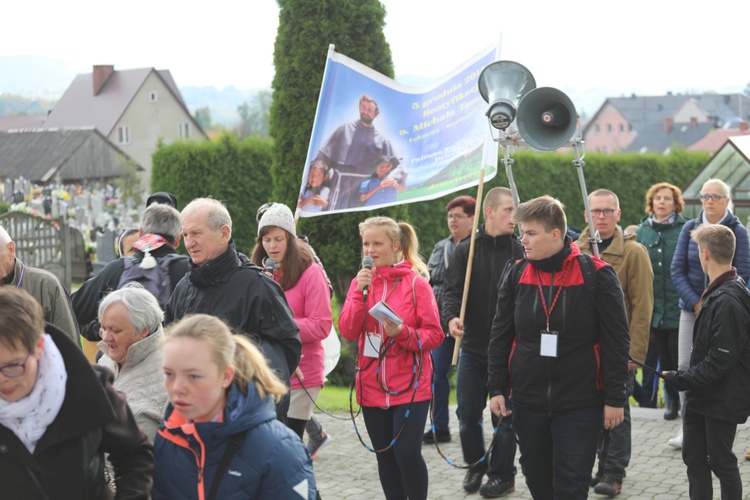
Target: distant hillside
pixel 222 103
pixel 14 104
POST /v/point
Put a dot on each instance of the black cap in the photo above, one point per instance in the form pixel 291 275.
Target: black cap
pixel 163 198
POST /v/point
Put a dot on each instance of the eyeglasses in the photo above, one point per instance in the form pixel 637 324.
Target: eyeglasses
pixel 714 197
pixel 457 216
pixel 15 369
pixel 607 212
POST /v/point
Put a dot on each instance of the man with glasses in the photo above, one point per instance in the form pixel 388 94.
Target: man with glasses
pixel 460 222
pixel 632 263
pixel 495 245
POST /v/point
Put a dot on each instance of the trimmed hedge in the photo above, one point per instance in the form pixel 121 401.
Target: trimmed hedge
pixel 236 172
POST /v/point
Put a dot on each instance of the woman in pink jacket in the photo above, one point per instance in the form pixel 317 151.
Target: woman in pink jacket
pixel 307 293
pixel 394 368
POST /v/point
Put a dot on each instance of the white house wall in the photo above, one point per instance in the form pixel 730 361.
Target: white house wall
pixel 689 111
pixel 150 121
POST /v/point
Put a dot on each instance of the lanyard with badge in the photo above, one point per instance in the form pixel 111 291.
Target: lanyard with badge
pixel 548 345
pixel 374 340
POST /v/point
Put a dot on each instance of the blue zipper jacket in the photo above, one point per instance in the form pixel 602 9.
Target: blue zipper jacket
pixel 271 462
pixel 687 273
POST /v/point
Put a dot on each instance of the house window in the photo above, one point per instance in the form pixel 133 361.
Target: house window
pixel 630 127
pixel 609 128
pixel 622 128
pixel 598 128
pixel 123 134
pixel 153 96
pixel 184 130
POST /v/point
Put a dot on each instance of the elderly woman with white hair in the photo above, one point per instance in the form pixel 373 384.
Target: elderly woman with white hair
pixel 131 332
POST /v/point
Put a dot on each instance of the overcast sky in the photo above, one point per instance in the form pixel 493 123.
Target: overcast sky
pixel 590 49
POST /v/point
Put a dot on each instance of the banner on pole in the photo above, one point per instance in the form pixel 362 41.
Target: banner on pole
pixel 377 143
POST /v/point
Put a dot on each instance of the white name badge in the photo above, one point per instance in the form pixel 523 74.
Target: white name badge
pixel 372 345
pixel 549 344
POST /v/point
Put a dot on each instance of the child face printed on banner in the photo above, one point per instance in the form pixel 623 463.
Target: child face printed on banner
pixel 316 176
pixel 383 169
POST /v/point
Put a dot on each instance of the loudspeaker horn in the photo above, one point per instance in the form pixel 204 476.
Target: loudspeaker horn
pixel 547 118
pixel 502 84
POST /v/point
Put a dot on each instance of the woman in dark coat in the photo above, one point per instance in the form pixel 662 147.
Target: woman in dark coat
pixel 58 416
pixel 658 232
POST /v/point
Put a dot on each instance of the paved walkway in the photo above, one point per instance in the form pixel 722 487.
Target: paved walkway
pixel 346 470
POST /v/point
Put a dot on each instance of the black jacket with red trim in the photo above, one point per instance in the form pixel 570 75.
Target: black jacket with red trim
pixel 592 340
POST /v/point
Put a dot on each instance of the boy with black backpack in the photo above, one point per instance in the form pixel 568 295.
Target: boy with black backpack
pixel 558 352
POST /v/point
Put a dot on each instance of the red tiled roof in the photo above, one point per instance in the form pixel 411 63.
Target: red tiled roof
pixel 715 140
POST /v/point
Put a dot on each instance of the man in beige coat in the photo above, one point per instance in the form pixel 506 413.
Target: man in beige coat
pixel 631 261
pixel 42 285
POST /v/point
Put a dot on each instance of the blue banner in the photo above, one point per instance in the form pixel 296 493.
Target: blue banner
pixel 377 143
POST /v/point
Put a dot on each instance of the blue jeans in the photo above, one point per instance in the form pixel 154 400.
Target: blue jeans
pixel 471 392
pixel 442 358
pixel 620 443
pixel 558 450
pixel 648 389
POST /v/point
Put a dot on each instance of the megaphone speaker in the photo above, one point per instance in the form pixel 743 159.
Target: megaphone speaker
pixel 502 84
pixel 547 118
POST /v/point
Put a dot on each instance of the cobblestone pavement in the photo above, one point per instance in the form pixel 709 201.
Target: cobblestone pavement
pixel 346 470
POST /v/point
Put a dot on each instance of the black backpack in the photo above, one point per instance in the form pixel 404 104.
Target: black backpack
pixel 156 279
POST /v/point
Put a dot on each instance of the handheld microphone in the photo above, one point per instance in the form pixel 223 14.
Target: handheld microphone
pixel 270 265
pixel 367 264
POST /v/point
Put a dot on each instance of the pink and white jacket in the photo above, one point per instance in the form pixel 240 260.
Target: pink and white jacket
pixel 310 301
pixel 378 381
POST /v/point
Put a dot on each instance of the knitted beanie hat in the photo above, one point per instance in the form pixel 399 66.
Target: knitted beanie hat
pixel 280 216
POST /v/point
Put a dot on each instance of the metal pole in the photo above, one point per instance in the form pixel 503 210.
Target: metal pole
pixel 508 162
pixel 594 238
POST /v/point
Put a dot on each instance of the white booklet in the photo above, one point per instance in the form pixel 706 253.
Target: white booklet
pixel 382 310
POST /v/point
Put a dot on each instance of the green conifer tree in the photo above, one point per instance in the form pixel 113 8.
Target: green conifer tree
pixel 306 29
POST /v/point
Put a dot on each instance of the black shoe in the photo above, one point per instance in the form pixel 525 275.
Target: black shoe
pixel 473 480
pixel 442 437
pixel 495 488
pixel 673 409
pixel 595 479
pixel 608 486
